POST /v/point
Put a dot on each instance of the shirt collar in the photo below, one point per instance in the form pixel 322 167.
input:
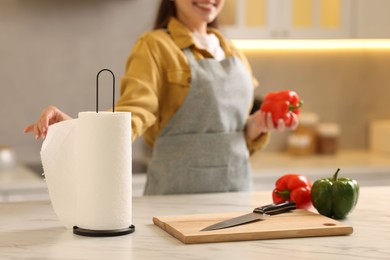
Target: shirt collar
pixel 180 34
pixel 183 37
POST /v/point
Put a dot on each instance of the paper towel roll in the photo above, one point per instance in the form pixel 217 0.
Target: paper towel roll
pixel 87 165
pixel 58 154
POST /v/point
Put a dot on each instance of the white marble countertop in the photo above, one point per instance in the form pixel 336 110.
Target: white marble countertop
pixel 30 230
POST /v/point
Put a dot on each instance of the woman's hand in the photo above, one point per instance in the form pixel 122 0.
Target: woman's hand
pixel 261 122
pixel 49 116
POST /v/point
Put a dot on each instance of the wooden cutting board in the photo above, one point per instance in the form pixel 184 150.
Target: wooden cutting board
pixel 297 223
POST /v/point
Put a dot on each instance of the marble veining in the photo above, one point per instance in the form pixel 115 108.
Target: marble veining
pixel 30 230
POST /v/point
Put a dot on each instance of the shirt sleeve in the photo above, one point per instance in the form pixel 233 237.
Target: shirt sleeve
pixel 258 143
pixel 140 87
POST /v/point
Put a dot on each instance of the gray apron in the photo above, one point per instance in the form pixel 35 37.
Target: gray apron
pixel 202 149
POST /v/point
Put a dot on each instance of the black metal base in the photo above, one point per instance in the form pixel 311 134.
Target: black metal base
pixel 103 233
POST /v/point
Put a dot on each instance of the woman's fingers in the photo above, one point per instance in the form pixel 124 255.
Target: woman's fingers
pixel 294 122
pixel 29 128
pixel 37 132
pixel 260 120
pixel 48 116
pixel 281 125
pixel 266 123
pixel 33 128
pixel 270 122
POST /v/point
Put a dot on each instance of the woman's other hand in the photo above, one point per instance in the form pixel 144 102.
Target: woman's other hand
pixel 261 122
pixel 49 116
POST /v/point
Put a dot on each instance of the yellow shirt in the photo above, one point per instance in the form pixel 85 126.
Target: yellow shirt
pixel 158 77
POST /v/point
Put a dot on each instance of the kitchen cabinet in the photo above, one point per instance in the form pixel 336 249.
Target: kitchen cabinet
pixel 369 168
pixel 19 183
pixel 287 19
pixel 372 19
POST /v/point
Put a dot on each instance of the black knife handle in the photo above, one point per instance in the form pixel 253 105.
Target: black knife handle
pixel 273 209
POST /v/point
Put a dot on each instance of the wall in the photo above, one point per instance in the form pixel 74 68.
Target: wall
pixel 349 87
pixel 51 50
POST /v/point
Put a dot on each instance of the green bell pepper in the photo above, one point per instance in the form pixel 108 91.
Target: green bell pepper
pixel 335 197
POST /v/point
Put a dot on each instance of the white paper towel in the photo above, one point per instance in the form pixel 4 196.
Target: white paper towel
pixel 87 166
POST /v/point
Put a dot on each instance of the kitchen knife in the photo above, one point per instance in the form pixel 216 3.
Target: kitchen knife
pixel 259 213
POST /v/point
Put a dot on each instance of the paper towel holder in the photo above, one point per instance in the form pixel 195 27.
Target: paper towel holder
pixel 103 233
pixel 109 232
pixel 97 90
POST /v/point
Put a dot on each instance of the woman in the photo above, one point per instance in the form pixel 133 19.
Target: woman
pixel 190 92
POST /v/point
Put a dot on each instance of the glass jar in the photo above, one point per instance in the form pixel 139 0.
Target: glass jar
pixel 303 141
pixel 328 138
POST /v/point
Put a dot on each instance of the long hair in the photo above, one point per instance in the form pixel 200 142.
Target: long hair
pixel 167 10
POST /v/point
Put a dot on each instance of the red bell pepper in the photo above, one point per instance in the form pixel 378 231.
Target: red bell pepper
pixel 281 105
pixel 293 187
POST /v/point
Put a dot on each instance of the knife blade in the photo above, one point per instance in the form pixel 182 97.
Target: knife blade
pixel 259 213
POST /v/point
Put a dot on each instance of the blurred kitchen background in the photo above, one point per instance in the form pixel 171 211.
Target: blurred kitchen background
pixel 51 50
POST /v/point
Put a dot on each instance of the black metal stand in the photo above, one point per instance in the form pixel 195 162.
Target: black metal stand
pixel 103 233
pixel 97 90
